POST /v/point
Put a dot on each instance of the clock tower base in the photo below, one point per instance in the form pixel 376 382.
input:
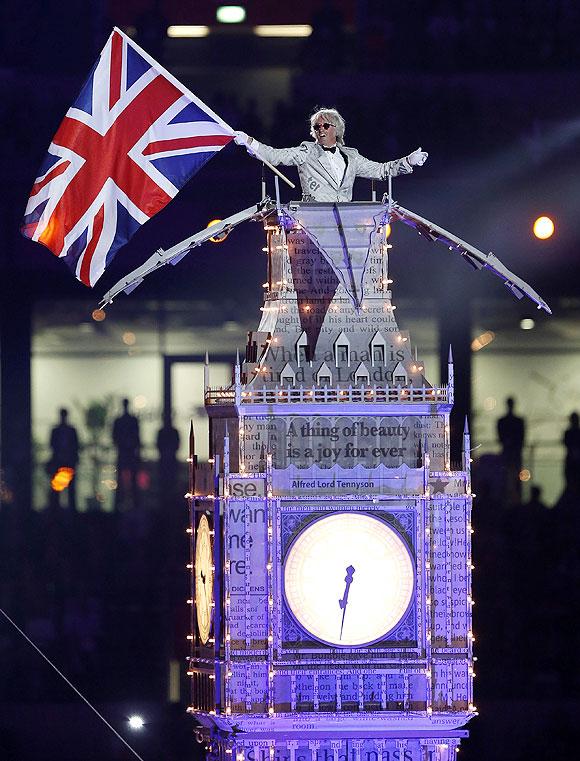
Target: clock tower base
pixel 341 531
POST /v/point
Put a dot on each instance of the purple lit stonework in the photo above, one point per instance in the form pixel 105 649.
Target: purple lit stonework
pixel 340 536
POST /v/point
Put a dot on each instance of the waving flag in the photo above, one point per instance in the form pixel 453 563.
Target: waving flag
pixel 131 140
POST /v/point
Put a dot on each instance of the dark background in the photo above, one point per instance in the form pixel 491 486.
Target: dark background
pixel 490 89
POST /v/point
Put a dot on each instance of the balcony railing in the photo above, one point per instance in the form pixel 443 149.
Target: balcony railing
pixel 324 395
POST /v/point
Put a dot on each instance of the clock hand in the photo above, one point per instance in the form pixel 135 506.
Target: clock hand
pixel 203 580
pixel 344 601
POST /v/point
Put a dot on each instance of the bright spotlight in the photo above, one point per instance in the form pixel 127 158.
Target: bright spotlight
pixel 62 479
pixel 483 340
pixel 231 14
pixel 283 30
pixel 190 30
pixel 136 722
pixel 543 228
pixel 217 238
pixel 527 323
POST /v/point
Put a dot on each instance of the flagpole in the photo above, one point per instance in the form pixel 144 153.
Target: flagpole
pixel 276 171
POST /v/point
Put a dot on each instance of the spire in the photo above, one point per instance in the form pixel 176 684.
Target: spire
pixel 426 466
pixel 450 377
pixel 206 372
pixel 466 447
pixel 192 460
pixel 226 452
pixel 238 378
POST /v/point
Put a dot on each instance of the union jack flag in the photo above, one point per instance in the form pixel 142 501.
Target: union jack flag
pixel 131 140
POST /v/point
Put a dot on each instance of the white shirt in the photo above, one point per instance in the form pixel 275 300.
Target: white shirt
pixel 337 163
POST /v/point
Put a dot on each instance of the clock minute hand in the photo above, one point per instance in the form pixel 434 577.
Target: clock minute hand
pixel 203 579
pixel 342 603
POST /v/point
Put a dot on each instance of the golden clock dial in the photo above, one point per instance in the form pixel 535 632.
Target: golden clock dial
pixel 203 579
pixel 348 579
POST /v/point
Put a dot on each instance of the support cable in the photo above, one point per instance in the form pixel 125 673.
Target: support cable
pixel 70 684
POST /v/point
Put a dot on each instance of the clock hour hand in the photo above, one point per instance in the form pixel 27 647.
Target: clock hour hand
pixel 342 603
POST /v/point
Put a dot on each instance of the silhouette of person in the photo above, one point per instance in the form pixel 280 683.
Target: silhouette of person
pixel 128 443
pixel 535 501
pixel 64 444
pixel 511 434
pixel 572 461
pixel 167 446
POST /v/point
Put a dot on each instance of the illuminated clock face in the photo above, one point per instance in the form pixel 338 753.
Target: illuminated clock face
pixel 348 579
pixel 203 579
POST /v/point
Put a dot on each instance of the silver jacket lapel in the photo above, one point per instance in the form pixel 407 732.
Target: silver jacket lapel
pixel 324 162
pixel 349 171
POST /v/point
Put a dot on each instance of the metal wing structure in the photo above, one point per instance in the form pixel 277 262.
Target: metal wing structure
pixel 477 259
pixel 344 235
pixel 175 254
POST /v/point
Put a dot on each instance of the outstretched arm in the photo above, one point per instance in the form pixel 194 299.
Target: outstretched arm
pixel 380 171
pixel 286 156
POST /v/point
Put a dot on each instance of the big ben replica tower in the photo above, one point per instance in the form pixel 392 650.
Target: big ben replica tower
pixel 331 564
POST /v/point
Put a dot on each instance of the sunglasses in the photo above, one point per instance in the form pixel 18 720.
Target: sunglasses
pixel 318 127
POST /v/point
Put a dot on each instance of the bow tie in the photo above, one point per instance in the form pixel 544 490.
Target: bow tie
pixel 332 150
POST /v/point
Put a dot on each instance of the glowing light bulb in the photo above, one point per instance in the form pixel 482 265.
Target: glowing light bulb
pixel 543 228
pixel 136 722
